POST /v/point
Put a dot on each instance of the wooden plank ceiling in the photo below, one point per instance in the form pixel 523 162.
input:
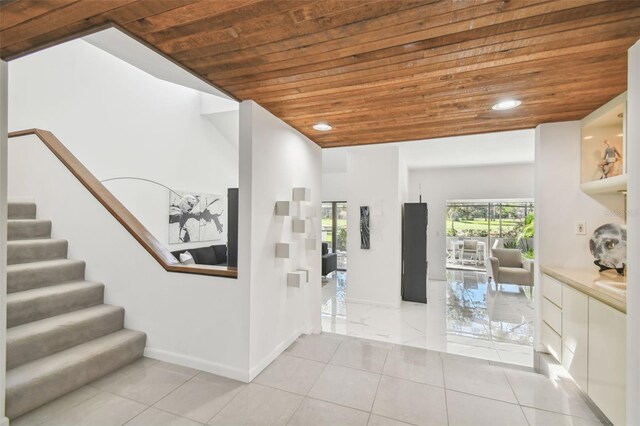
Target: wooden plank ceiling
pixel 377 70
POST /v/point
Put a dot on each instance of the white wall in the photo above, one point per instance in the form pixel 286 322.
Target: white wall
pixel 373 179
pixel 274 159
pixel 194 320
pixel 3 234
pixel 230 327
pixel 120 121
pixel 335 187
pixel 633 238
pixel 463 183
pixel 560 202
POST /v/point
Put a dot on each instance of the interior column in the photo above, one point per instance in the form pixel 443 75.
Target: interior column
pixel 3 235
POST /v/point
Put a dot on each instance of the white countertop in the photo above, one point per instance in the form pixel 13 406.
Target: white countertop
pixel 584 280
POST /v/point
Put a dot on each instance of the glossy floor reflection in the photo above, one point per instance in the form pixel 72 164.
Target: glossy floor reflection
pixel 325 379
pixel 465 315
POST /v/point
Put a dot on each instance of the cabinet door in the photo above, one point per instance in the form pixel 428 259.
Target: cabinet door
pixel 575 334
pixel 608 360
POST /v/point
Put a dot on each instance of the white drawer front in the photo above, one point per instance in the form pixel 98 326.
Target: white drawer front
pixel 552 341
pixel 552 289
pixel 552 315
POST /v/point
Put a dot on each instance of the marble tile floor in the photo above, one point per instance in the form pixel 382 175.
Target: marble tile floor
pixel 465 315
pixel 325 379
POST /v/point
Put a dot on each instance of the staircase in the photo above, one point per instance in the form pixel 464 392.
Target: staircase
pixel 60 334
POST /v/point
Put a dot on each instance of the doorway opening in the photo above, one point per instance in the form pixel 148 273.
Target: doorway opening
pixel 334 230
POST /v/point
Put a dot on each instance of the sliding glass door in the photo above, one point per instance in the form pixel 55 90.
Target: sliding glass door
pixel 507 222
pixel 334 230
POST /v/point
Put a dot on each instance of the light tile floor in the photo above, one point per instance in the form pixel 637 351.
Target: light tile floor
pixel 325 379
pixel 464 315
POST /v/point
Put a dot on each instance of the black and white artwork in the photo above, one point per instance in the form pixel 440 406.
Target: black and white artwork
pixel 195 217
pixel 365 237
pixel 608 245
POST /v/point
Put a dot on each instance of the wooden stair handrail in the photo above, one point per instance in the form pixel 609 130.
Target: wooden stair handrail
pixel 159 252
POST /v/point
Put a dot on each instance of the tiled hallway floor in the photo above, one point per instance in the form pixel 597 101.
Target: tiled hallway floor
pixel 465 315
pixel 325 380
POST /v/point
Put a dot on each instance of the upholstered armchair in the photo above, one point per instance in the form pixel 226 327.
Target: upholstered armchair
pixel 506 266
pixel 329 261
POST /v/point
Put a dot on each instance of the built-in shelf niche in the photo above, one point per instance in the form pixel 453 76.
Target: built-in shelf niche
pixel 615 184
pixel 607 123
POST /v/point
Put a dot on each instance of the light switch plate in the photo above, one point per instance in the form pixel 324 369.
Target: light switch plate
pixel 581 227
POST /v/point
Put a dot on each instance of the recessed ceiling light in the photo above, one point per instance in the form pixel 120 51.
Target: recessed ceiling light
pixel 621 134
pixel 322 126
pixel 507 104
pixel 586 138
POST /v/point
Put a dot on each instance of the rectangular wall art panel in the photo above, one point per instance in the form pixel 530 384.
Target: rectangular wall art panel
pixel 195 217
pixel 365 237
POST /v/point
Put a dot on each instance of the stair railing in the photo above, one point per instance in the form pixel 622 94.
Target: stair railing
pixel 156 249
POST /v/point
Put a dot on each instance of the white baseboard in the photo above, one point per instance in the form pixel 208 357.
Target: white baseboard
pixel 264 363
pixel 4 421
pixel 197 363
pixel 224 370
pixel 372 302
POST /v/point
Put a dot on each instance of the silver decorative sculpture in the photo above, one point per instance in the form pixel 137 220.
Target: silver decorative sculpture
pixel 609 247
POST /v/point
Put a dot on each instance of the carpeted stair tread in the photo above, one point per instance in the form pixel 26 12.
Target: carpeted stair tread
pixel 27 229
pixel 35 340
pixel 27 276
pixel 27 251
pixel 21 210
pixel 38 382
pixel 45 302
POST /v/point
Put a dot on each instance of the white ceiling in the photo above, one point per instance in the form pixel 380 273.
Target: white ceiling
pixel 122 46
pixel 514 147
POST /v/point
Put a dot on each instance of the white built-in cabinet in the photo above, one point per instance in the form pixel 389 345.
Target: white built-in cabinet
pixel 575 334
pixel 608 360
pixel 589 338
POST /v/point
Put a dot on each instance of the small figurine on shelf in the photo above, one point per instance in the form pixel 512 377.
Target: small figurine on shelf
pixel 609 159
pixel 609 247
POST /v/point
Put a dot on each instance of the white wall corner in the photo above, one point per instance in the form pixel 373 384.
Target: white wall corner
pixel 537 295
pixel 264 363
pixel 633 237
